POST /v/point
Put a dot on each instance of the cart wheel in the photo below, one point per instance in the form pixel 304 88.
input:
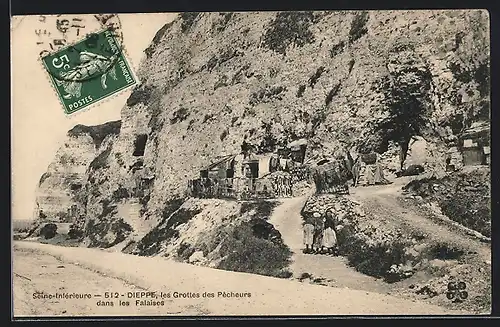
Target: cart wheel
pixel 452 286
pixel 462 286
pixel 450 295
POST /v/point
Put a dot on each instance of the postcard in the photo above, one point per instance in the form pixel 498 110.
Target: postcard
pixel 293 163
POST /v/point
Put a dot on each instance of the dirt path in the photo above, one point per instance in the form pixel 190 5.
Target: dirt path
pixel 385 202
pixel 100 271
pixel 326 269
pixel 36 272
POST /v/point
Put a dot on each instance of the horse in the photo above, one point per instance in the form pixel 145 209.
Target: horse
pixel 356 170
pixel 354 167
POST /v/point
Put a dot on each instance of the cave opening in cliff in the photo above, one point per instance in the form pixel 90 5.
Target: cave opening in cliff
pixel 140 145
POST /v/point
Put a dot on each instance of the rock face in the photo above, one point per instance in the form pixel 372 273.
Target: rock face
pixel 211 78
pixel 61 187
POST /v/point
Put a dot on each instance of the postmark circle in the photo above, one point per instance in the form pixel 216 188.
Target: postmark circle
pixel 91 57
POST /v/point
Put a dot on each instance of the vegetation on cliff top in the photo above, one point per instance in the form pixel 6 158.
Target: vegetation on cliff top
pixel 289 28
pixel 98 132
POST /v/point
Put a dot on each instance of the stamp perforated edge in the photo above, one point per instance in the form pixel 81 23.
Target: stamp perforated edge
pixel 130 65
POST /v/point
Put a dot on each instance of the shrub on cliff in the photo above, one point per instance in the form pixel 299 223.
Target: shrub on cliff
pixel 245 251
pixel 101 161
pixel 406 103
pixel 289 28
pixel 263 208
pixel 98 132
pixel 358 26
pixel 106 233
pixel 188 20
pixel 463 197
pixel 75 233
pixel 48 231
pixel 140 94
pixel 173 216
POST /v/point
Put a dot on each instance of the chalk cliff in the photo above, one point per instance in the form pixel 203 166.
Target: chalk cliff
pixel 209 79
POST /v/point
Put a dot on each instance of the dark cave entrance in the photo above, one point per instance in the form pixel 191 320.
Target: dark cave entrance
pixel 140 145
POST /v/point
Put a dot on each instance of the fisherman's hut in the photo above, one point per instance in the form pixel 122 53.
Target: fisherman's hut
pixel 220 169
pixel 297 150
pixel 474 144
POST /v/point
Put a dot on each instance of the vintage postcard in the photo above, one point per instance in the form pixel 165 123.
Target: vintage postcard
pixel 251 164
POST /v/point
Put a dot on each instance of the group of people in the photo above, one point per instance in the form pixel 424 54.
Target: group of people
pixel 320 236
pixel 282 186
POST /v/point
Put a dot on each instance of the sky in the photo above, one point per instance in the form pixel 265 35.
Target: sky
pixel 38 122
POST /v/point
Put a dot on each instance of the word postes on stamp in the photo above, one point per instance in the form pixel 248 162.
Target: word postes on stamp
pixel 89 71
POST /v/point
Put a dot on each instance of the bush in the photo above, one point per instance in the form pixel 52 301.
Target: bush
pixel 244 252
pixel 462 197
pixel 140 95
pixel 221 25
pixel 358 26
pixel 224 134
pixel 469 210
pixel 333 92
pixel 300 91
pixel 337 49
pixel 157 38
pixel 101 161
pixel 48 231
pixel 165 231
pixel 188 20
pixel 120 193
pixel 75 233
pixel 185 250
pixel 179 115
pixel 263 208
pixel 314 78
pixel 372 252
pixel 289 28
pixel 98 132
pixel 265 95
pixel 219 60
pixel 98 232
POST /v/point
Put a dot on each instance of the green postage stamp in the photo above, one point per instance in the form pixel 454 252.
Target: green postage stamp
pixel 89 71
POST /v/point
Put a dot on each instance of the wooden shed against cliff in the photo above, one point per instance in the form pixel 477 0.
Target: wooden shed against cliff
pixel 222 167
pixel 297 150
pixel 474 143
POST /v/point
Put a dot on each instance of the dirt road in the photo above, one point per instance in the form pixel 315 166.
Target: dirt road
pixel 384 202
pixel 95 271
pixel 328 270
pixel 385 205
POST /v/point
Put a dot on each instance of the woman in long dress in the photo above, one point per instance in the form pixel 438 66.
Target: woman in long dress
pixel 308 235
pixel 329 235
pixel 318 235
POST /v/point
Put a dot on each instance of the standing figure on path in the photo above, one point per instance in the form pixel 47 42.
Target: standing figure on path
pixel 329 236
pixel 308 235
pixel 356 170
pixel 318 235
